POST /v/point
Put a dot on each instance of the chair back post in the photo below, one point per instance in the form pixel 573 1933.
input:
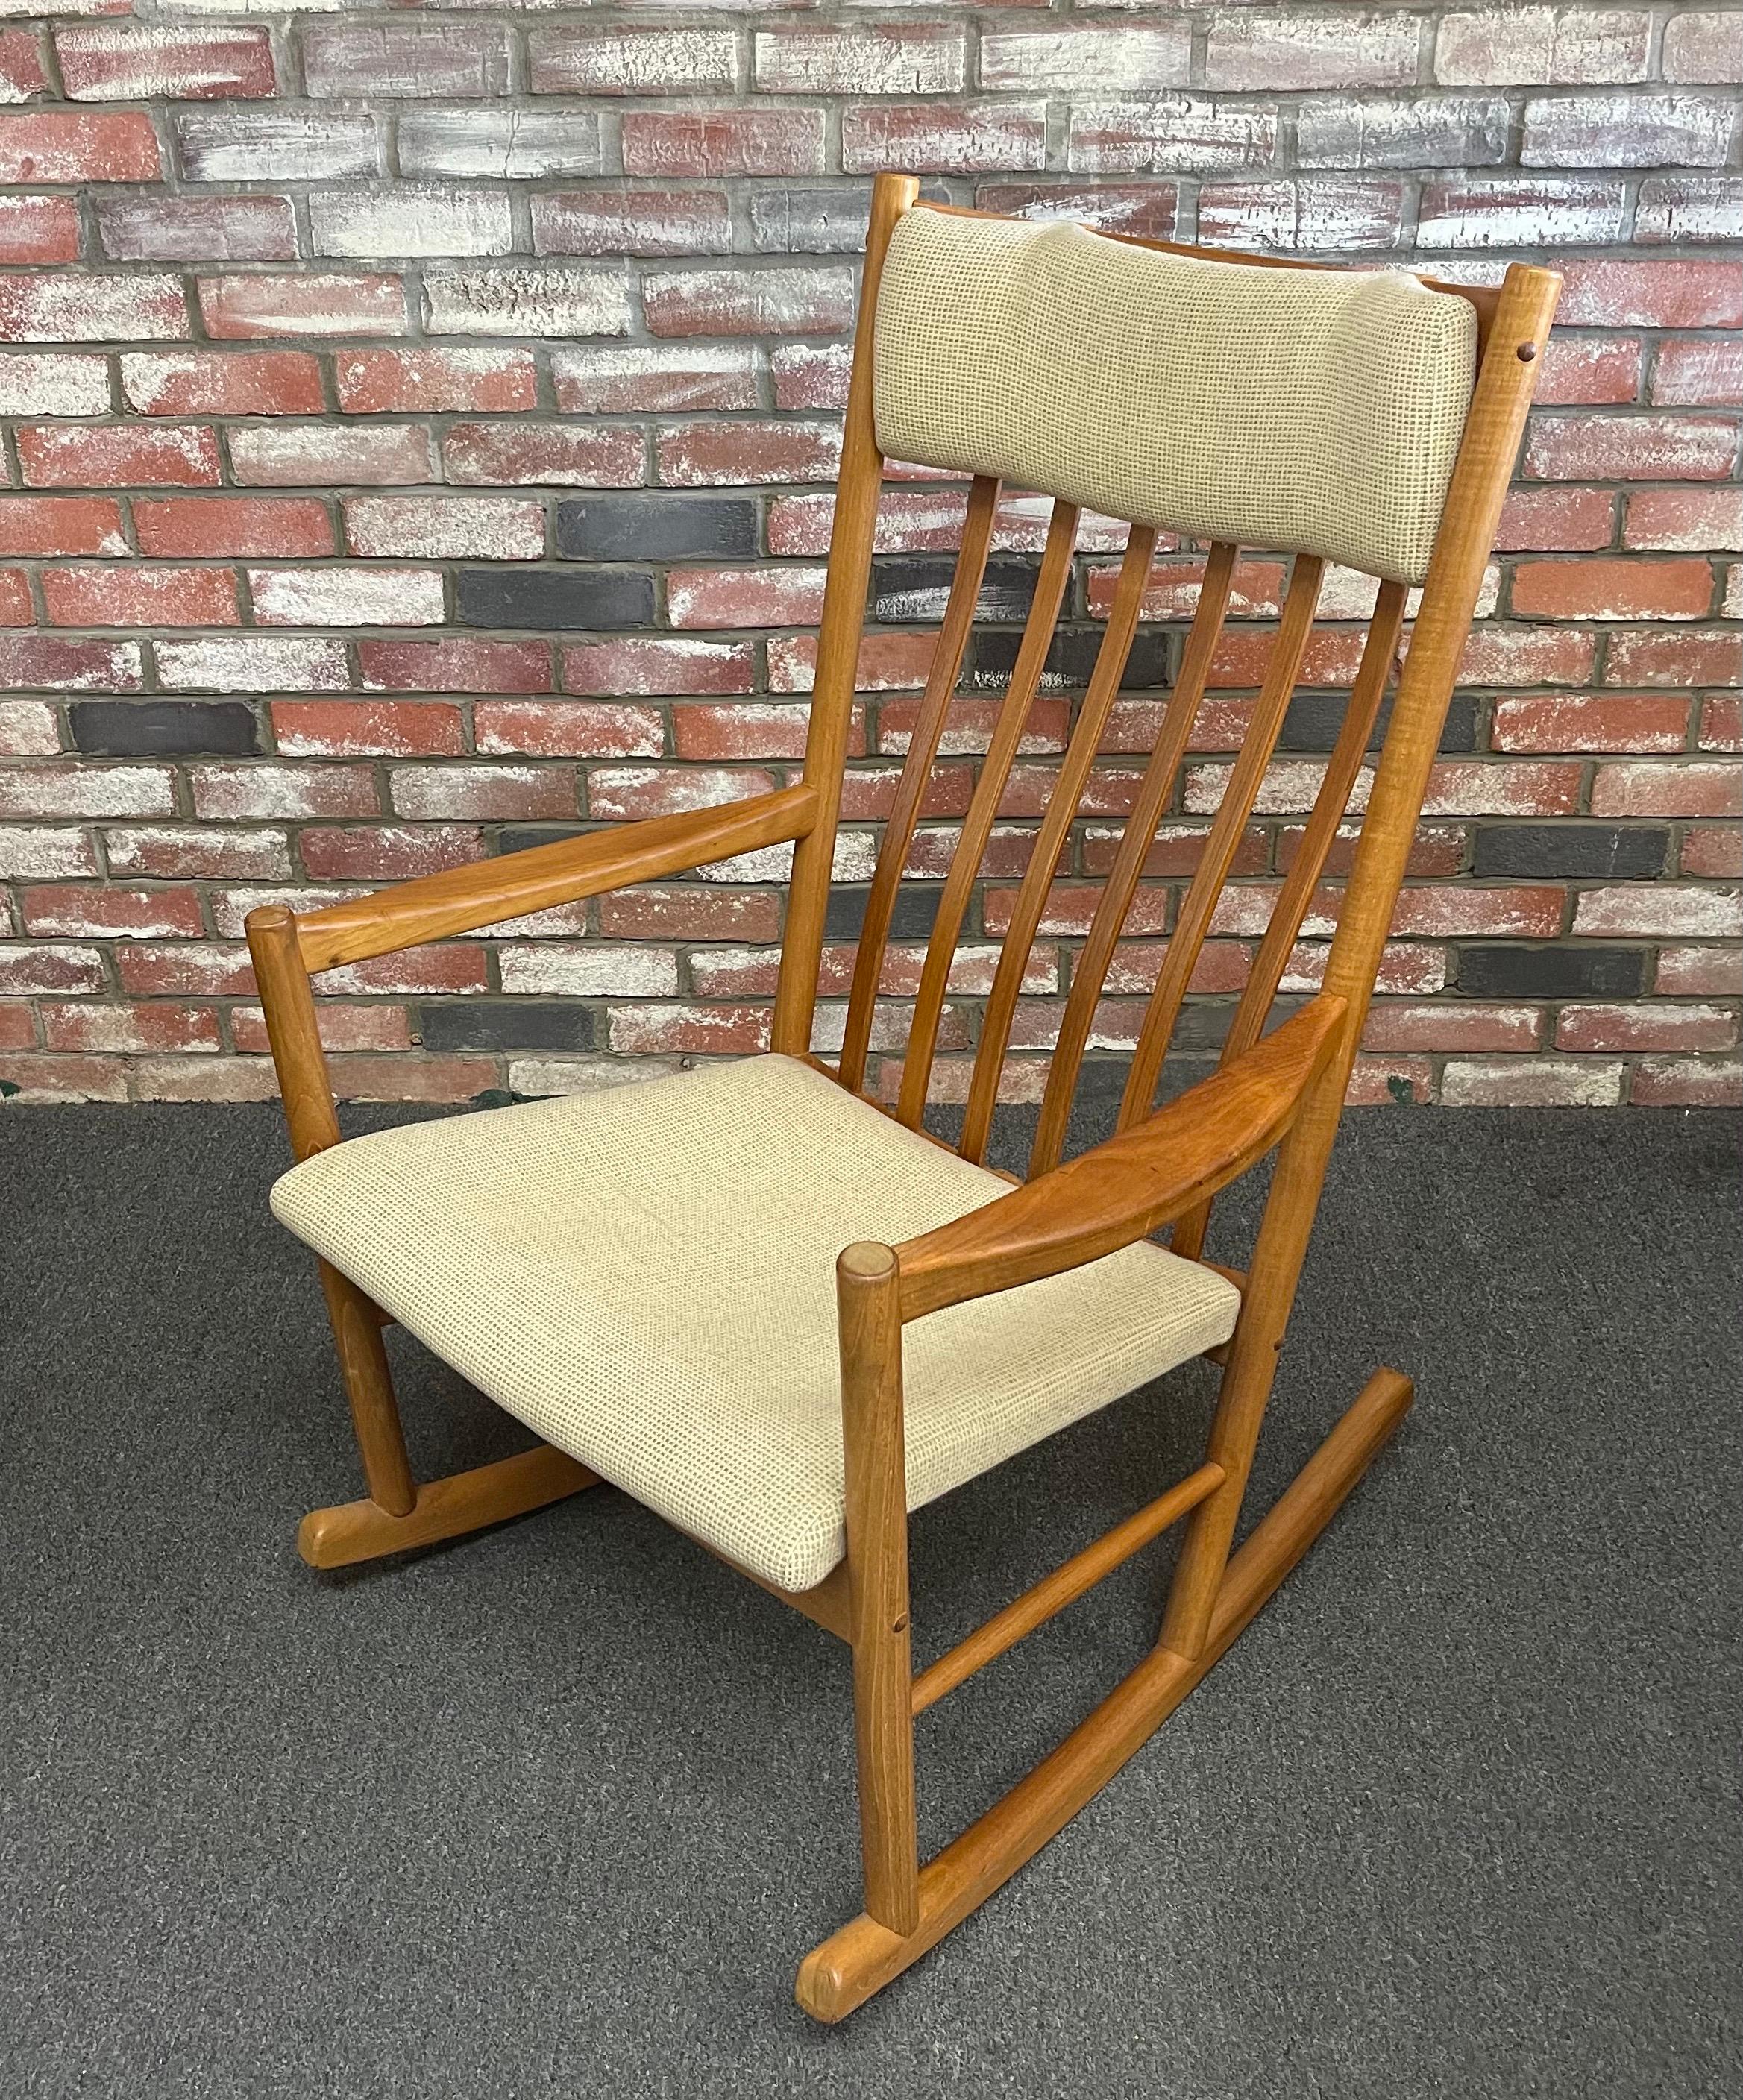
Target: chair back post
pixel 833 685
pixel 292 1032
pixel 1492 429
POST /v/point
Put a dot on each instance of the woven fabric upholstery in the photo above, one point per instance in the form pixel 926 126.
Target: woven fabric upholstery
pixel 646 1277
pixel 1313 410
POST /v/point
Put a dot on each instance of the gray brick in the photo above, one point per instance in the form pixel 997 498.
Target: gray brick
pixel 567 600
pixel 656 527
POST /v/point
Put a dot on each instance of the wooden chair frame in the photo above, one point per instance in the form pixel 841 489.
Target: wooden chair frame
pixel 1283 1090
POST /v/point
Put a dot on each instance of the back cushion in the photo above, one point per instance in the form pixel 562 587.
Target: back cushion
pixel 1314 410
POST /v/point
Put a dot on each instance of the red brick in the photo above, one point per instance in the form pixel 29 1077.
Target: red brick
pixel 1590 721
pixel 220 525
pixel 1657 1026
pixel 759 141
pixel 250 791
pixel 631 221
pixel 887 662
pixel 737 1031
pixel 614 379
pixel 722 455
pixel 1709 970
pixel 1527 656
pixel 119 62
pixel 221 382
pixel 1698 371
pixel 751 301
pixel 1695 518
pixel 1698 788
pixel 688 911
pixel 388 852
pixel 17 1027
pixel 1722 722
pixel 139 598
pixel 568 729
pixel 135 228
pixel 543 454
pixel 201 969
pixel 1590 369
pixel 751 729
pixel 128 1029
pixel 1558 519
pixel 78 146
pixel 118 455
pixel 38 229
pixel 60 525
pixel 323 302
pixel 1614 588
pixel 651 664
pixel 367 728
pixel 1331 658
pixel 456 665
pixel 1712 850
pixel 1460 911
pixel 190 853
pixel 1458 1025
pixel 1543 787
pixel 1610 292
pixel 787 596
pixel 966 137
pixel 1687 1083
pixel 50 967
pixel 15 610
pixel 1648 656
pixel 484 791
pixel 376 381
pixel 309 455
pixel 1647 447
pixel 344 1025
pixel 21 74
pixel 62 664
pixel 32 1078
pixel 810 375
pixel 104 912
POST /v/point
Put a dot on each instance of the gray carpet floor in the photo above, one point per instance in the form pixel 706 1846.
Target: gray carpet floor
pixel 556 1811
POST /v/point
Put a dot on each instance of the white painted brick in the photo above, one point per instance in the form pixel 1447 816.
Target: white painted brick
pixel 1542 46
pixel 885 58
pixel 411 218
pixel 541 1078
pixel 1177 134
pixel 508 144
pixel 443 528
pixel 253 664
pixel 537 302
pixel 346 596
pixel 1087 61
pixel 46 384
pixel 228 145
pixel 594 970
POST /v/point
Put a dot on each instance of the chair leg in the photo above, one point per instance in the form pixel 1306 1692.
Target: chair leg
pixel 856 1962
pixel 397 1514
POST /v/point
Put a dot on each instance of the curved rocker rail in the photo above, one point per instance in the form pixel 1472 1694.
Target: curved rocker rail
pixel 856 1962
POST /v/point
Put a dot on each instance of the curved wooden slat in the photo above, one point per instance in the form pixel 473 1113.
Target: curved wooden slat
pixel 1193 920
pixel 983 808
pixel 1062 811
pixel 1154 790
pixel 923 748
pixel 1296 895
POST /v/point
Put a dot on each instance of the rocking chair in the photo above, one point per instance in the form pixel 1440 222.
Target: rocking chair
pixel 782 1316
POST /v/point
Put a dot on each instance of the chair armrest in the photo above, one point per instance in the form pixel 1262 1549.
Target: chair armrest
pixel 1120 1190
pixel 461 900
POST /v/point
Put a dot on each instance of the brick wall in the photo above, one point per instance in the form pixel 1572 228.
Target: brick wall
pixel 419 424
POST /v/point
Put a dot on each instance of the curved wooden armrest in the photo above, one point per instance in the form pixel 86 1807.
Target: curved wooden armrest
pixel 461 900
pixel 1118 1192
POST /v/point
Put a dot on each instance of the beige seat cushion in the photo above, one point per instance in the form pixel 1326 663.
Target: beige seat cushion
pixel 1311 410
pixel 646 1277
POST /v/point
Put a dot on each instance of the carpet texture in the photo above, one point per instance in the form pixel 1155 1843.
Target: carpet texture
pixel 556 1810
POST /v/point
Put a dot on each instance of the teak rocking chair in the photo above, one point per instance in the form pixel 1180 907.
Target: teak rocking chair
pixel 782 1316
